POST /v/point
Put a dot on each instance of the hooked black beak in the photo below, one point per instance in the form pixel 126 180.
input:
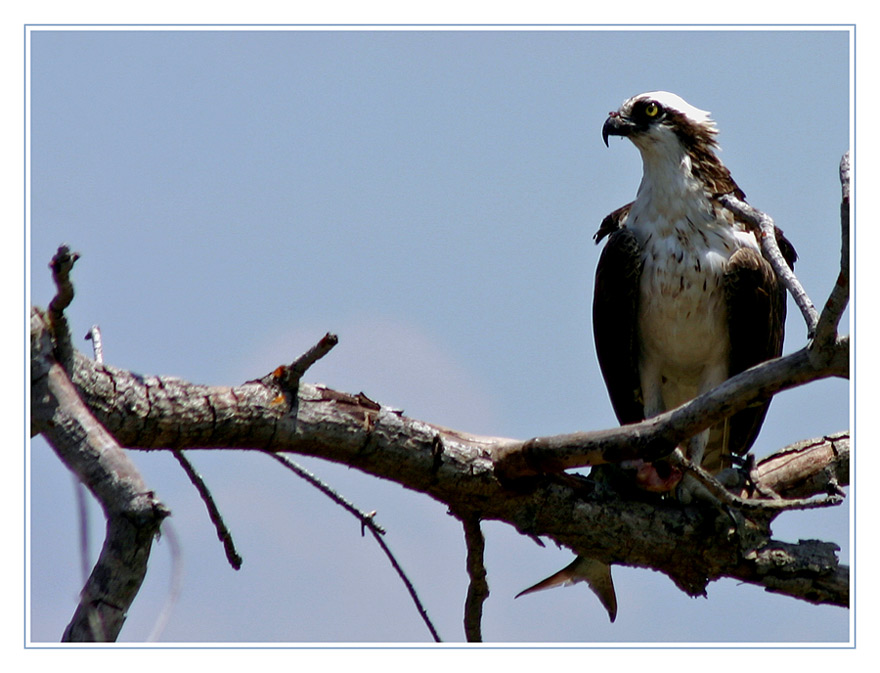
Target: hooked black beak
pixel 615 125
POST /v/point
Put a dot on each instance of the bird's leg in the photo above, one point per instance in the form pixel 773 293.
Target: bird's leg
pixel 690 489
pixel 658 476
pixel 697 447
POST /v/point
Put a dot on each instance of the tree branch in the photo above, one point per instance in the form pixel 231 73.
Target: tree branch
pixel 519 482
pixel 290 375
pixel 656 437
pixel 61 265
pixel 826 328
pixel 478 587
pixel 89 451
pixel 766 232
pixel 790 569
pixel 806 468
pixel 367 523
pixel 692 545
pixel 223 533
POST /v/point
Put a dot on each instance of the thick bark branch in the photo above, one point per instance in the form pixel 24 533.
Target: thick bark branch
pixel 692 545
pixel 806 468
pixel 133 512
pixel 657 436
pixel 790 569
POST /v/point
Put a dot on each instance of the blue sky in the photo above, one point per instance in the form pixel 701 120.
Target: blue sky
pixel 430 196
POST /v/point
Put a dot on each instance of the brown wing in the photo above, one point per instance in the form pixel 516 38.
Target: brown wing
pixel 615 317
pixel 756 320
pixel 612 222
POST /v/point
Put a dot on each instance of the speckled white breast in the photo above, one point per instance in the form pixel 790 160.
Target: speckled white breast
pixel 682 310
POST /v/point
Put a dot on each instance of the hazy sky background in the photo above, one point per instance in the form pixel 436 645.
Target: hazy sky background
pixel 431 198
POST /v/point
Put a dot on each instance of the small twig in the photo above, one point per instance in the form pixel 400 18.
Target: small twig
pixel 83 511
pixel 94 335
pixel 772 507
pixel 826 329
pixel 289 376
pixel 409 586
pixel 478 587
pixel 223 533
pixel 766 231
pixel 174 590
pixel 61 265
pixel 753 481
pixel 367 521
pixel 81 503
pixel 710 483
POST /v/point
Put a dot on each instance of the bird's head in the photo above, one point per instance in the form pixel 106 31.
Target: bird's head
pixel 658 120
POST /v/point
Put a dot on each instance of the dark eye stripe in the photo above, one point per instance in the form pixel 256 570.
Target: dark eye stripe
pixel 647 111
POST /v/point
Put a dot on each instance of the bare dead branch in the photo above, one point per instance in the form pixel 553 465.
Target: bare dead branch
pixel 767 508
pixel 503 479
pixel 368 522
pixel 791 569
pixel 289 376
pixel 826 329
pixel 94 335
pixel 133 512
pixel 223 533
pixel 766 231
pixel 806 468
pixel 658 436
pixel 91 453
pixel 478 587
pixel 61 265
pixel 458 470
pixel 367 519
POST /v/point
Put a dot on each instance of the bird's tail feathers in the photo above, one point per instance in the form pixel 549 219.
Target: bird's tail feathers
pixel 595 573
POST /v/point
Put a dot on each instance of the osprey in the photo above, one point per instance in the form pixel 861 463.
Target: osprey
pixel 683 298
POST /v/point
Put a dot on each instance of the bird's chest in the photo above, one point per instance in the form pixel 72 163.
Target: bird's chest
pixel 682 307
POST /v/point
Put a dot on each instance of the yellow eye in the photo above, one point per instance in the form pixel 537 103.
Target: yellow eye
pixel 651 110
